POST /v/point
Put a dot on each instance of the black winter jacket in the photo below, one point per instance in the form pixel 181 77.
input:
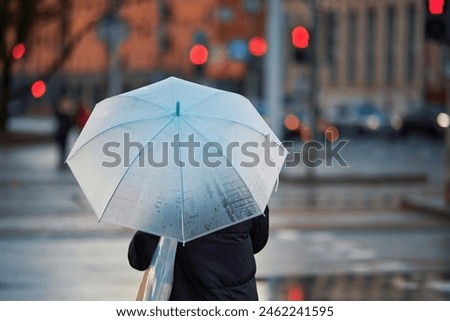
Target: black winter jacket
pixel 219 266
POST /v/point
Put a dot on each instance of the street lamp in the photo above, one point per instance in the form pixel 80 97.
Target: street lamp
pixel 113 31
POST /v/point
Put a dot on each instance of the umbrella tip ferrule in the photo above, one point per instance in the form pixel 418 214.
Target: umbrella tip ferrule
pixel 177 113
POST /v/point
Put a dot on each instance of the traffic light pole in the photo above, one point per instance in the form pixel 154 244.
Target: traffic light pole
pixel 313 90
pixel 447 135
pixel 273 66
pixel 437 28
pixel 313 96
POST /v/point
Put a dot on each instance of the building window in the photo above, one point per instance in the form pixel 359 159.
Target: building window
pixel 390 45
pixel 351 47
pixel 370 46
pixel 332 45
pixel 410 45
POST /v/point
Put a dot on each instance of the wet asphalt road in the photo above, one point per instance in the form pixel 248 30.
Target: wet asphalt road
pixel 52 247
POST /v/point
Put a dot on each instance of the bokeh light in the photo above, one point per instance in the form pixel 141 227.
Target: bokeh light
pixel 331 133
pixel 38 89
pixel 257 46
pixel 306 134
pixel 373 122
pixel 292 122
pixel 296 293
pixel 436 6
pixel 443 120
pixel 300 37
pixel 18 51
pixel 198 55
pixel 396 122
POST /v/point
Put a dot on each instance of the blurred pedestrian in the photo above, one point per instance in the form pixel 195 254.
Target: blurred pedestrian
pixel 65 116
pixel 218 266
pixel 83 112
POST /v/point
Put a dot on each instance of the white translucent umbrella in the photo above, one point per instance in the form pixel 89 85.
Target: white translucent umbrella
pixel 177 159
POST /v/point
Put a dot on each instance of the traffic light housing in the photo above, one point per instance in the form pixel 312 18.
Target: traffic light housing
pixel 300 42
pixel 437 21
pixel 300 55
pixel 198 56
pixel 199 53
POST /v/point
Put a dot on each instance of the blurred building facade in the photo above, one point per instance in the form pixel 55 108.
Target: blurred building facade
pixel 372 50
pixel 159 36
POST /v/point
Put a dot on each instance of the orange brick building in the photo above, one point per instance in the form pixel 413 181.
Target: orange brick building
pixel 396 69
pixel 160 36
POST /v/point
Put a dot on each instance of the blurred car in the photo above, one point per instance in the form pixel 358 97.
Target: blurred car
pixel 429 120
pixel 361 118
pixel 294 124
pixel 298 126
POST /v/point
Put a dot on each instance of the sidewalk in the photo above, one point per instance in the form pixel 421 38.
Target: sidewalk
pixel 32 125
pixel 28 130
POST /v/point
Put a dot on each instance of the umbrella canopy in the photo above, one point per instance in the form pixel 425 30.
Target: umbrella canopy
pixel 176 159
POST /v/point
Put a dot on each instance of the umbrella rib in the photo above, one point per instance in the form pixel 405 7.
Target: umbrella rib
pixel 182 186
pixel 228 161
pixel 177 114
pixel 115 126
pixel 203 100
pixel 126 171
pixel 146 101
pixel 231 121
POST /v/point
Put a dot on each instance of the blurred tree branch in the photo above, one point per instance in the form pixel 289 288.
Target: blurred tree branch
pixel 16 22
pixel 17 19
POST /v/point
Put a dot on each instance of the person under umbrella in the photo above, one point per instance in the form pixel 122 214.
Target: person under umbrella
pixel 208 193
pixel 217 267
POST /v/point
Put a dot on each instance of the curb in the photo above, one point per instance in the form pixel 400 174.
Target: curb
pixel 429 205
pixel 359 226
pixel 17 139
pixel 359 179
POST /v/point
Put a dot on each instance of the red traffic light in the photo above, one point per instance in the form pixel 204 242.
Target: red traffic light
pixel 38 89
pixel 436 6
pixel 257 46
pixel 18 51
pixel 296 293
pixel 198 55
pixel 300 37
